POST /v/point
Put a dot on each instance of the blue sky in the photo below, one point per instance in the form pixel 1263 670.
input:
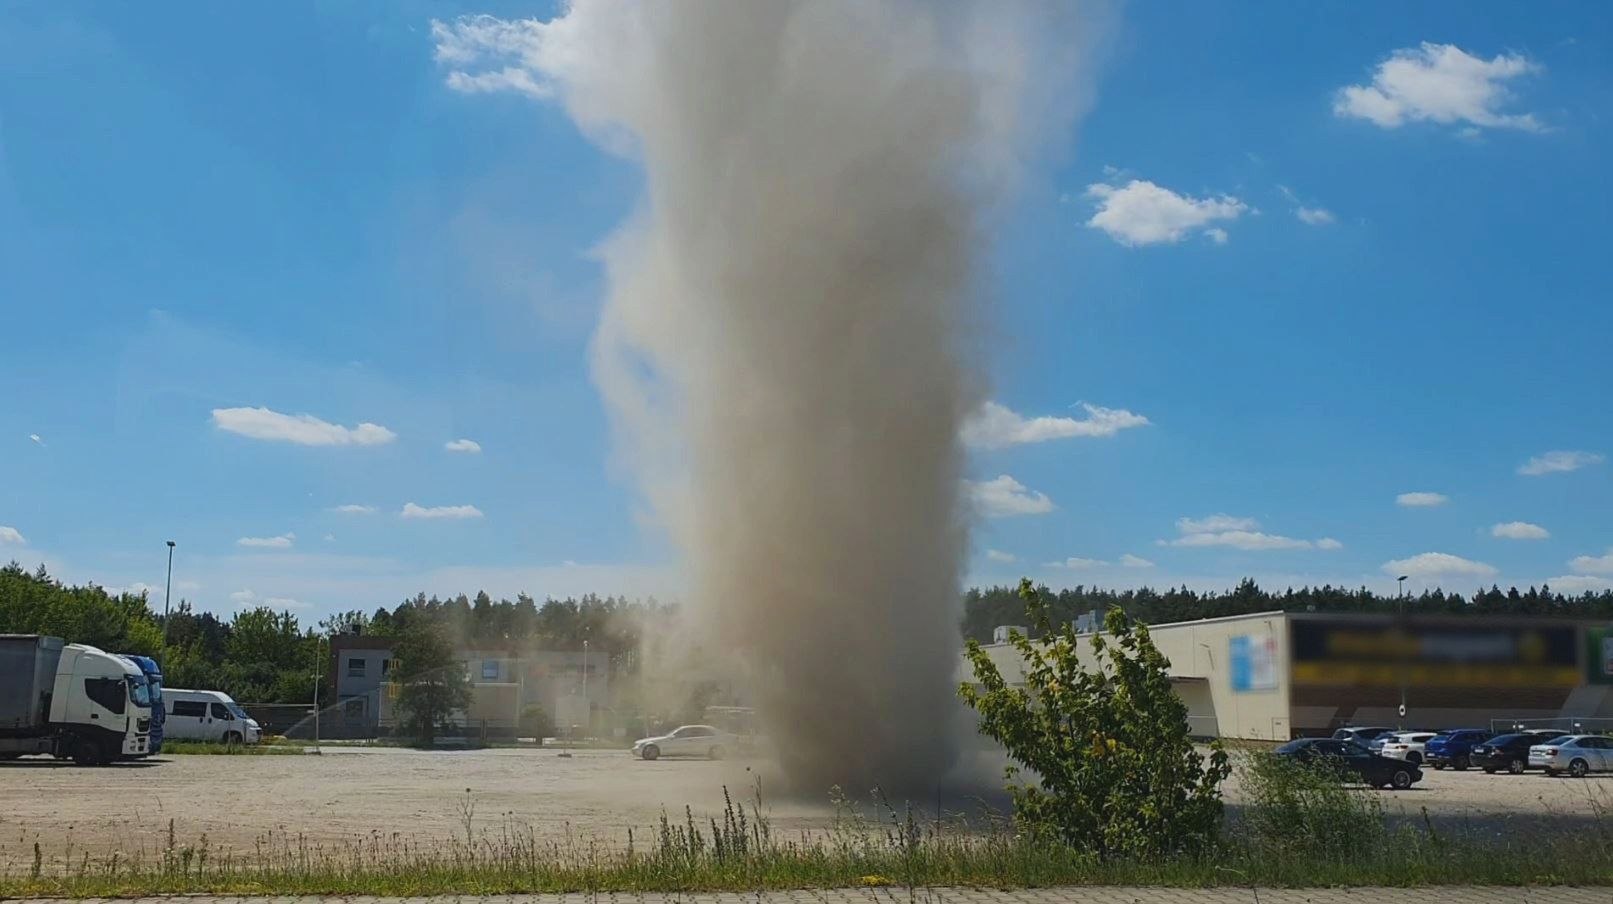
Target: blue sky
pixel 1299 263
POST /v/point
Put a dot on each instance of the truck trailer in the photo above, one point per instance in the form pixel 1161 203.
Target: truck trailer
pixel 70 701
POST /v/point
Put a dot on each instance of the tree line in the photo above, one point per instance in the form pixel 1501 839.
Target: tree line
pixel 259 655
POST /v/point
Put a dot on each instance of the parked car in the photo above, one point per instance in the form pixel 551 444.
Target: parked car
pixel 689 740
pixel 1373 769
pixel 1576 755
pixel 1509 751
pixel 1454 748
pixel 207 716
pixel 1361 734
pixel 1407 745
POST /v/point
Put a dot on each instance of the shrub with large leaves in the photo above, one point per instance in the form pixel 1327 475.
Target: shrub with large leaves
pixel 1112 768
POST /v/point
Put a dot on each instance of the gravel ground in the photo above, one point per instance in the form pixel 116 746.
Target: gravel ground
pixel 347 794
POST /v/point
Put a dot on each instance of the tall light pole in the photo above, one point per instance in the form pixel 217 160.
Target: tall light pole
pixel 1401 598
pixel 167 592
pixel 587 706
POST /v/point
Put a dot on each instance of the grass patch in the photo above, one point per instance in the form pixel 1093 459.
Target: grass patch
pixel 739 851
pixel 267 747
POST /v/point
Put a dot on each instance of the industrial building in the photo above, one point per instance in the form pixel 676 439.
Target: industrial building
pixel 571 687
pixel 1278 675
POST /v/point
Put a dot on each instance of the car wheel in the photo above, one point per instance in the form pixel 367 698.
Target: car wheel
pixel 1516 767
pixel 1489 770
pixel 716 753
pixel 1550 771
pixel 1460 764
pixel 1578 768
pixel 232 738
pixel 1401 780
pixel 650 752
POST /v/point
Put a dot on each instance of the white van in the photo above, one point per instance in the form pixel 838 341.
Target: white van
pixel 207 716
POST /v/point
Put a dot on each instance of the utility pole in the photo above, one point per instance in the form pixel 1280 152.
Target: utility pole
pixel 318 642
pixel 1401 598
pixel 587 705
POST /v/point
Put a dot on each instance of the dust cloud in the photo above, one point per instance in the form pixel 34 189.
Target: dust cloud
pixel 793 332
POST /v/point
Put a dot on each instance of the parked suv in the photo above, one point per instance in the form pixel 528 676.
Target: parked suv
pixel 1406 745
pixel 1454 748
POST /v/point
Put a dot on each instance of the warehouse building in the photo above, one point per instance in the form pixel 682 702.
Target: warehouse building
pixel 1277 675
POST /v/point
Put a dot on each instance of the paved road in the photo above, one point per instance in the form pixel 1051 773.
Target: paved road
pixel 1084 895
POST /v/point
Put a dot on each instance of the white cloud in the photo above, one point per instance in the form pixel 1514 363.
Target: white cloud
pixel 11 535
pixel 1003 497
pixel 353 509
pixel 1241 539
pixel 1217 235
pixel 1579 583
pixel 1519 530
pixel 1438 564
pixel 302 429
pixel 1214 523
pixel 463 445
pixel 1593 564
pixel 1558 462
pixel 244 598
pixel 997 555
pixel 1142 213
pixel 330 538
pixel 1238 533
pixel 1130 561
pixel 35 438
pixel 281 542
pixel 511 54
pixel 410 510
pixel 995 426
pixel 1314 216
pixel 1077 563
pixel 1439 83
pixel 1421 500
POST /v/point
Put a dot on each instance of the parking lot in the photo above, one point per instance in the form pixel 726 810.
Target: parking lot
pixel 344 795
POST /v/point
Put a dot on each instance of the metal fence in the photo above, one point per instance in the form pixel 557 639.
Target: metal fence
pixel 1564 724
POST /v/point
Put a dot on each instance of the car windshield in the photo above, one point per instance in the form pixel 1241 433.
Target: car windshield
pixel 1294 746
pixel 1503 740
pixel 236 710
pixel 1560 739
pixel 139 690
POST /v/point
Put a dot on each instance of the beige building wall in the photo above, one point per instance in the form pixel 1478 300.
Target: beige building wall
pixel 1231 672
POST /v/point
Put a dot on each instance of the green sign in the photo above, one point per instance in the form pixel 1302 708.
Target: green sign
pixel 1599 655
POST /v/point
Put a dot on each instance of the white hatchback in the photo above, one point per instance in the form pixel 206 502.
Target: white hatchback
pixel 689 740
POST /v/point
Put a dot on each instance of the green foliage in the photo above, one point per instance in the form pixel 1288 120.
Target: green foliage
pixel 431 682
pixel 1114 770
pixel 38 604
pixel 1308 807
pixel 536 722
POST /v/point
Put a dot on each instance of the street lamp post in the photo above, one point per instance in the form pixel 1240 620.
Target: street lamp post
pixel 1401 600
pixel 167 593
pixel 587 707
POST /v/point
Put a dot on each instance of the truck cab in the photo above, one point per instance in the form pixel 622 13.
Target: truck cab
pixel 105 701
pixel 153 673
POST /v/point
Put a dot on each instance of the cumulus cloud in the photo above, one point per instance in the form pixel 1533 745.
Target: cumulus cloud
pixel 1593 564
pixel 1003 497
pixel 249 598
pixel 1077 563
pixel 473 41
pixel 11 535
pixel 1436 565
pixel 1439 83
pixel 1130 561
pixel 1314 216
pixel 302 429
pixel 410 510
pixel 997 555
pixel 1142 213
pixel 35 438
pixel 1579 583
pixel 354 509
pixel 1558 462
pixel 1519 530
pixel 994 426
pixel 283 541
pixel 1238 533
pixel 1421 500
pixel 463 445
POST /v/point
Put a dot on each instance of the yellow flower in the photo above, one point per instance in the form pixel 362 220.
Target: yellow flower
pixel 874 881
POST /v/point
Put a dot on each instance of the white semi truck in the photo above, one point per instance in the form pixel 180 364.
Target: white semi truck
pixel 70 701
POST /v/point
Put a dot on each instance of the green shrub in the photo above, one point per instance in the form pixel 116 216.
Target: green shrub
pixel 1308 808
pixel 1114 769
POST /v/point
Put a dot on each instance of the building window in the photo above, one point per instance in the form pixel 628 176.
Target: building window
pixel 355 668
pixel 353 707
pixel 386 667
pixel 489 669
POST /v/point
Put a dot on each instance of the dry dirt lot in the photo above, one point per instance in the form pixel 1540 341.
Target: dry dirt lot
pixel 344 795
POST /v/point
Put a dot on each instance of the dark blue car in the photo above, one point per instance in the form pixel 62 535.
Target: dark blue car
pixel 1454 748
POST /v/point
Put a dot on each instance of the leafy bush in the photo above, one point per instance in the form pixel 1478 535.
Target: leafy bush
pixel 1115 771
pixel 1307 807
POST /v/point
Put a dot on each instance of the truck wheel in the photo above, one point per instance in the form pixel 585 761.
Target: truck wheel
pixel 89 753
pixel 650 752
pixel 1516 767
